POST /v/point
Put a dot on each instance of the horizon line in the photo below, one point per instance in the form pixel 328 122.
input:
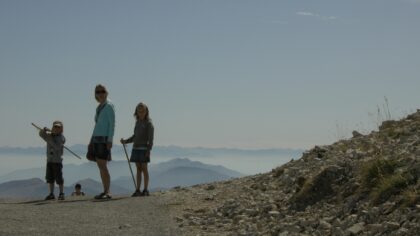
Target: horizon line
pixel 178 146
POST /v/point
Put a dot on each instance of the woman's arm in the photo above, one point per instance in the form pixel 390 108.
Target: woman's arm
pixel 110 114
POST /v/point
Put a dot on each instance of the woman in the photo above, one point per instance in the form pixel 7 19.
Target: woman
pixel 143 143
pixel 101 141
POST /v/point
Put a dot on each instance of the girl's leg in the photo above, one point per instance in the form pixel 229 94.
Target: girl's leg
pixel 146 175
pixel 139 171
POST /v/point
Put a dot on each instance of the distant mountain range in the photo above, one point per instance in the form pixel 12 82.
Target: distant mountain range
pixel 177 172
pixel 170 151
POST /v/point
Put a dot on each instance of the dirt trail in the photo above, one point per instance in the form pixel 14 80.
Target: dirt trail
pixel 84 216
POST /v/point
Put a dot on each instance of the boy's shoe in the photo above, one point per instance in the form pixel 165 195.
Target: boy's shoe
pixel 145 193
pixel 61 196
pixel 50 197
pixel 137 193
pixel 103 196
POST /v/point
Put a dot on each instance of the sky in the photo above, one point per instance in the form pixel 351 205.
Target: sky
pixel 220 73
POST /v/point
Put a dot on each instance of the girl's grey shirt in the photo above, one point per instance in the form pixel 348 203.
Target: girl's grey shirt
pixel 55 145
pixel 143 135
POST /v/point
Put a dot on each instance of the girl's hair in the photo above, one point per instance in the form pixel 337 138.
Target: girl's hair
pixel 147 118
pixel 100 87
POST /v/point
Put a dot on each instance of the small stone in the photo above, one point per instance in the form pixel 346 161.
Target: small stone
pixel 209 198
pixel 210 187
pixel 374 228
pixel 356 134
pixel 125 226
pixel 392 225
pixel 201 210
pixel 187 215
pixel 351 219
pixel 356 229
pixel 402 231
pixel 294 229
pixel 324 224
pixel 251 212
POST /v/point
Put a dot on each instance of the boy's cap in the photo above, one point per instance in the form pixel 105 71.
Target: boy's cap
pixel 58 123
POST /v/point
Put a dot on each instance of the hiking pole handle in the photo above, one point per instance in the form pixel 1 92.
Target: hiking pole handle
pixel 39 128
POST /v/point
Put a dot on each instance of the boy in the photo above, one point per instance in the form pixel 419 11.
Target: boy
pixel 55 143
pixel 78 190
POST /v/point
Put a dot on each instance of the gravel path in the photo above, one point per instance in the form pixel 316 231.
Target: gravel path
pixel 84 216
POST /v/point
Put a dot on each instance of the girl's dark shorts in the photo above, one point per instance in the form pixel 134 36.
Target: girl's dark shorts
pixel 54 173
pixel 100 151
pixel 139 156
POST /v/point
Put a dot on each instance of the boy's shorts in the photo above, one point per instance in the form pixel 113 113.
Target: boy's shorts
pixel 54 173
pixel 100 151
pixel 139 156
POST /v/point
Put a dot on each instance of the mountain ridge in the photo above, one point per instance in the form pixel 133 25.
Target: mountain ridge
pixel 162 176
pixel 166 151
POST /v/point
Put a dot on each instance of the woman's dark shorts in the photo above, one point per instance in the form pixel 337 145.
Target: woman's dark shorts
pixel 54 173
pixel 139 156
pixel 100 151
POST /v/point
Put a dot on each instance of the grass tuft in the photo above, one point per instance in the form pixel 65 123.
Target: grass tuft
pixel 373 172
pixel 388 186
pixel 411 197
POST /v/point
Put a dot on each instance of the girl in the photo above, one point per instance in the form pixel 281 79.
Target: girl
pixel 142 140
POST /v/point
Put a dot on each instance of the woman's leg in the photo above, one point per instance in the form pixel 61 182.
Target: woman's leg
pixel 106 178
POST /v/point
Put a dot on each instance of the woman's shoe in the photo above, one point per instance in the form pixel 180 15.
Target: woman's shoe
pixel 103 196
pixel 99 196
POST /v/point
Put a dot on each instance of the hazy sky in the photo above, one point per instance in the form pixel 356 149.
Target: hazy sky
pixel 245 74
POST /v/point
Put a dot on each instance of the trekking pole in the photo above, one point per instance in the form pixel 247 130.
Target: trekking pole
pixel 132 175
pixel 39 128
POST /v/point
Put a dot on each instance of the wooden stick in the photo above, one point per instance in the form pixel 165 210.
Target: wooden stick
pixel 39 128
pixel 129 165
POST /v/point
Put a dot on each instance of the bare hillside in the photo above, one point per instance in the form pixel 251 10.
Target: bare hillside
pixel 367 185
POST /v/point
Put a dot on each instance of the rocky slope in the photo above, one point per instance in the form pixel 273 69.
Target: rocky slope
pixel 367 185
